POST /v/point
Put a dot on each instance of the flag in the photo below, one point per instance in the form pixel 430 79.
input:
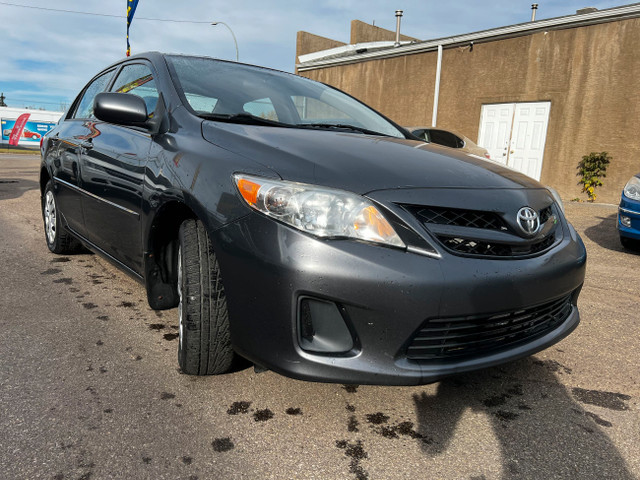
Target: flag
pixel 131 10
pixel 18 127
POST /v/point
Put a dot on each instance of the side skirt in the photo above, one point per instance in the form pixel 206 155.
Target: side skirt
pixel 94 248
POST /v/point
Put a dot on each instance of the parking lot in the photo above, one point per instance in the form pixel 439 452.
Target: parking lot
pixel 89 384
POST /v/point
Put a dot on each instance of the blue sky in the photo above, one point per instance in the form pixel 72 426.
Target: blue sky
pixel 47 57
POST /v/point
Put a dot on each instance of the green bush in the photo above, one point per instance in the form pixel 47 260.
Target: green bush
pixel 591 169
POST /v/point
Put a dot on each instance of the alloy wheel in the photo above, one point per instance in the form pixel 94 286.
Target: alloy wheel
pixel 50 213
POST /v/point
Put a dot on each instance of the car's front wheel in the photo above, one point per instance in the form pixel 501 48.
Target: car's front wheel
pixel 58 240
pixel 204 346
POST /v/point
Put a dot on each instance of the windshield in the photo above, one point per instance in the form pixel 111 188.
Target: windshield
pixel 234 92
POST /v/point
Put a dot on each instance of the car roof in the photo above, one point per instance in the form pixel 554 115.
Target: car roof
pixel 155 56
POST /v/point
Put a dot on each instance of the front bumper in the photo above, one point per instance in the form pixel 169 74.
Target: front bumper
pixel 630 209
pixel 385 295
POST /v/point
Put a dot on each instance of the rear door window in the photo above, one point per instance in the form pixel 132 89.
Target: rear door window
pixel 445 138
pixel 85 107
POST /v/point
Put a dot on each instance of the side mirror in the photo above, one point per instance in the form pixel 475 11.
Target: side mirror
pixel 121 109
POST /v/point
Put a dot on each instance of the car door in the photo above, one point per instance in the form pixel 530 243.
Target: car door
pixel 66 147
pixel 113 169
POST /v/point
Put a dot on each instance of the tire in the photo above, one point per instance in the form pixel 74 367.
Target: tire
pixel 630 243
pixel 204 346
pixel 58 239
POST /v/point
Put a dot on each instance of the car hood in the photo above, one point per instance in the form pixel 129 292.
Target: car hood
pixel 360 163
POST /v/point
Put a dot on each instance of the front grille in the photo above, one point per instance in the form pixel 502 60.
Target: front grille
pixel 459 217
pixel 468 337
pixel 483 233
pixel 545 214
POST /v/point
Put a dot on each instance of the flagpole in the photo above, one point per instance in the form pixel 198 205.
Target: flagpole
pixel 131 10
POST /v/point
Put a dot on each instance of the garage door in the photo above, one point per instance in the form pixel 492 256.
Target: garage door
pixel 515 134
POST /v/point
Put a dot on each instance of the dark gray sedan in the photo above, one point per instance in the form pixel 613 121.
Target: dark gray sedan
pixel 295 226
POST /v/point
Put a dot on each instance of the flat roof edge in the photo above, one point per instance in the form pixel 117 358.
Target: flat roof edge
pixel 571 21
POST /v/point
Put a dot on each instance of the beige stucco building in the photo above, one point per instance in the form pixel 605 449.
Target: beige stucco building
pixel 538 95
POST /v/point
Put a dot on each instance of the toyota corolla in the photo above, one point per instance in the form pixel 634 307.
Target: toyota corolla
pixel 295 226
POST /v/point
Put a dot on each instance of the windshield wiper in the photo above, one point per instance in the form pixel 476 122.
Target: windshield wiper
pixel 243 118
pixel 340 126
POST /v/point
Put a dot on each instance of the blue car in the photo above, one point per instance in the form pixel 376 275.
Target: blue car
pixel 629 214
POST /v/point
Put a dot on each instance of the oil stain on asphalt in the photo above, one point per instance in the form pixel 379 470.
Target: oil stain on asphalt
pixel 356 453
pixel 263 415
pixel 239 407
pixel 223 444
pixel 60 260
pixel 51 271
pixel 609 400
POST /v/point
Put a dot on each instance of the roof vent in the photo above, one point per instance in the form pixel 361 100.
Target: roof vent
pixel 398 17
pixel 586 10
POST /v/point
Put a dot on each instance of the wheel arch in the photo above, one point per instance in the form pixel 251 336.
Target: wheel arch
pixel 161 250
pixel 44 179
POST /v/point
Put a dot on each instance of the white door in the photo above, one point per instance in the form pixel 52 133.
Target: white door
pixel 495 130
pixel 522 141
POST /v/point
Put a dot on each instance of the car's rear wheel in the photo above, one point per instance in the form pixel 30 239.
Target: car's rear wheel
pixel 629 243
pixel 204 346
pixel 58 240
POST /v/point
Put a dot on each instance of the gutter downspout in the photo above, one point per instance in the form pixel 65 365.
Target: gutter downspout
pixel 436 94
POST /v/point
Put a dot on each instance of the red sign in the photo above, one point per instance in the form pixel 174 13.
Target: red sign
pixel 18 127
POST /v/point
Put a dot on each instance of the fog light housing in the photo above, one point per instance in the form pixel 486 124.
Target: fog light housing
pixel 625 221
pixel 321 327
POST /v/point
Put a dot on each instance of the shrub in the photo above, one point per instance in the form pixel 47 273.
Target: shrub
pixel 591 169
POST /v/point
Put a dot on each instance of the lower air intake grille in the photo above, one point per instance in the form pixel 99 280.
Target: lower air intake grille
pixel 475 247
pixel 466 337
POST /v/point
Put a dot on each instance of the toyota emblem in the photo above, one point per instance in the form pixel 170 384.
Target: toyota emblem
pixel 528 221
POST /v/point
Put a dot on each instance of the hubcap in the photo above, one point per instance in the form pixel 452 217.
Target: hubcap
pixel 50 216
pixel 180 326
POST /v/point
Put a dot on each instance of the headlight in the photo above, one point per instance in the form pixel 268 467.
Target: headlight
pixel 557 198
pixel 632 189
pixel 324 212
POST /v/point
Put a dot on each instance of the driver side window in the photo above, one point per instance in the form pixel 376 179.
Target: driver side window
pixel 138 79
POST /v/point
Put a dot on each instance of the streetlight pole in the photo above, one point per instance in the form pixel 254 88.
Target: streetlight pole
pixel 232 34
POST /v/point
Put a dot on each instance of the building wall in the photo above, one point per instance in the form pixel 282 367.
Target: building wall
pixel 589 74
pixel 308 43
pixel 362 32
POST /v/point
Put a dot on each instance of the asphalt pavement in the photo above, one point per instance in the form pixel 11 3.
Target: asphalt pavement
pixel 90 386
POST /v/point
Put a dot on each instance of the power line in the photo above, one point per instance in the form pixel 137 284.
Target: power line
pixel 26 100
pixel 98 14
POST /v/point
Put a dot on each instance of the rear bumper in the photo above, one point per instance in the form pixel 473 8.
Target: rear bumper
pixel 384 295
